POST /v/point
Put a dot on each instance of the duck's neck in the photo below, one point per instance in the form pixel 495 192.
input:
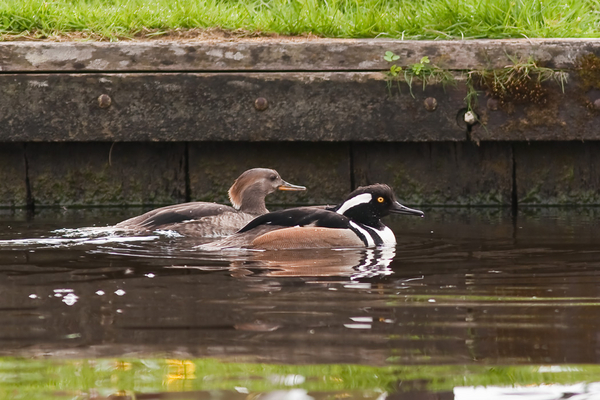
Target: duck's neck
pixel 253 201
pixel 365 217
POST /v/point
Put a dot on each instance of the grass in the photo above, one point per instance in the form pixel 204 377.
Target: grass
pixel 407 19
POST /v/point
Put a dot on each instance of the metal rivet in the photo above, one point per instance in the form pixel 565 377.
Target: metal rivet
pixel 261 104
pixel 492 104
pixel 430 104
pixel 597 104
pixel 104 101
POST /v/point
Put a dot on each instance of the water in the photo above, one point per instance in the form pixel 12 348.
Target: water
pixel 471 303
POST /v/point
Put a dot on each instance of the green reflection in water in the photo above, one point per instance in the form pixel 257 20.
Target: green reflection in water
pixel 85 378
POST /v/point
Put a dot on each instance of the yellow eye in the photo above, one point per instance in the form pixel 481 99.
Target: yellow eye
pixel 380 200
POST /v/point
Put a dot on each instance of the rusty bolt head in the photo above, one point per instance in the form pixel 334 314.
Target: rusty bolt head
pixel 430 104
pixel 597 104
pixel 261 104
pixel 104 101
pixel 492 104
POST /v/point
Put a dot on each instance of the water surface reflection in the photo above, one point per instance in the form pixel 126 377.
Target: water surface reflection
pixel 463 287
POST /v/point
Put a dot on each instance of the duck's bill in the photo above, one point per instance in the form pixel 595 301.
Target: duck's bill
pixel 290 187
pixel 400 209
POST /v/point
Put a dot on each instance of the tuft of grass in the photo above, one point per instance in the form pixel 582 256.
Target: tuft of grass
pixel 520 82
pixel 405 19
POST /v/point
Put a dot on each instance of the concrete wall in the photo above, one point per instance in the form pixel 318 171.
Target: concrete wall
pixel 441 173
pixel 158 122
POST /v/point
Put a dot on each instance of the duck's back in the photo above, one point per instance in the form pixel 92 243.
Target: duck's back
pixel 298 228
pixel 195 218
pixel 213 226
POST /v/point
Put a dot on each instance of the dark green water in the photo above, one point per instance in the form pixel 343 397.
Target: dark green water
pixel 472 304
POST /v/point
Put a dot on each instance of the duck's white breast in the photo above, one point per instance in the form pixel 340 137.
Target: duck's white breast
pixel 387 236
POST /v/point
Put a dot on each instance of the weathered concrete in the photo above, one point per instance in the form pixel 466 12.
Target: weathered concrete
pixel 438 173
pixel 92 174
pixel 13 175
pixel 545 114
pixel 209 107
pixel 280 54
pixel 324 168
pixel 558 173
pixel 242 94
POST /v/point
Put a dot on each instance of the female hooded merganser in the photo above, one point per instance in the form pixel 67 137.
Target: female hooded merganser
pixel 354 223
pixel 247 195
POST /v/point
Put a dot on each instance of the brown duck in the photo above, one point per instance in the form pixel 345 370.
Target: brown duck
pixel 202 219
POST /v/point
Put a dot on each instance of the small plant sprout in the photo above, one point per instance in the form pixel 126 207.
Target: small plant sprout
pixel 418 67
pixel 424 70
pixel 395 70
pixel 390 56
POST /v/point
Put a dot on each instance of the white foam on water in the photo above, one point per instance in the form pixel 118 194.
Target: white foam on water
pixel 86 232
pixel 58 242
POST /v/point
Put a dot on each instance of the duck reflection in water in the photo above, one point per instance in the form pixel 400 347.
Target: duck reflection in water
pixel 350 263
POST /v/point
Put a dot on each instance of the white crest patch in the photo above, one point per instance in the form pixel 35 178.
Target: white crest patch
pixel 355 201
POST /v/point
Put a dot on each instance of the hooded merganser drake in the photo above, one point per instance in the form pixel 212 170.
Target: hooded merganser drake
pixel 247 195
pixel 354 223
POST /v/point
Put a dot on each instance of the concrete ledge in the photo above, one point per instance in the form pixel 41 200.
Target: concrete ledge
pixel 264 54
pixel 212 107
pixel 287 90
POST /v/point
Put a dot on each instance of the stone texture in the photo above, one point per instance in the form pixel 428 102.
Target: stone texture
pixel 314 101
pixel 324 168
pixel 281 54
pixel 279 107
pixel 92 174
pixel 438 173
pixel 421 173
pixel 215 107
pixel 558 173
pixel 13 186
pixel 543 114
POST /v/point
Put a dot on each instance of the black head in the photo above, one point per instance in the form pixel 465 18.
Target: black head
pixel 251 187
pixel 368 204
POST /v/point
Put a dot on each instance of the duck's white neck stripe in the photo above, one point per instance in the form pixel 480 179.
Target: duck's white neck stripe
pixel 365 233
pixel 387 236
pixel 353 202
